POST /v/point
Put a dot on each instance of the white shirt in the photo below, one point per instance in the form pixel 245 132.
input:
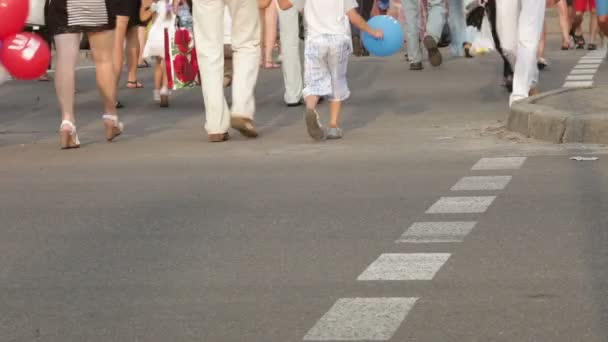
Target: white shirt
pixel 227 27
pixel 326 16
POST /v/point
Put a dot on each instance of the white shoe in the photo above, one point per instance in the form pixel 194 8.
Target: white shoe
pixel 156 95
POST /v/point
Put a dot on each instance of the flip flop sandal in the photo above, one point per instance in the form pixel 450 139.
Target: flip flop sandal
pixel 134 85
pixel 271 65
pixel 591 47
pixel 143 65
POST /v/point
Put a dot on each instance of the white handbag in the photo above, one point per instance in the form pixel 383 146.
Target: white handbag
pixel 36 16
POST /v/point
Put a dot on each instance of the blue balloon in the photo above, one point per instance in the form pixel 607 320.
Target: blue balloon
pixel 393 36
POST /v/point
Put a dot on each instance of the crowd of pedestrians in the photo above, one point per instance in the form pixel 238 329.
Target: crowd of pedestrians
pixel 234 39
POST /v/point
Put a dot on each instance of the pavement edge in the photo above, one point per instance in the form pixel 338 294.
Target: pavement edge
pixel 550 124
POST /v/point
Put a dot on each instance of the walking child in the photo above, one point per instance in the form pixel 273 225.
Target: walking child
pixel 162 19
pixel 328 47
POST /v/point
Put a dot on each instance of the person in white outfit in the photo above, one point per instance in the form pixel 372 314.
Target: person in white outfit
pixel 519 26
pixel 290 49
pixel 209 36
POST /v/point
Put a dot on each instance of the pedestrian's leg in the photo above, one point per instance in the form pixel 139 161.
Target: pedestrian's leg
pixel 119 45
pixel 133 48
pixel 142 36
pixel 338 66
pixel 228 67
pixel 290 48
pixel 270 35
pixel 542 42
pixel 67 46
pixel 158 77
pixel 245 44
pixel 101 48
pixel 602 13
pixel 434 29
pixel 412 29
pixel 318 83
pixel 564 23
pixel 593 28
pixel 457 26
pixel 208 31
pixel 530 27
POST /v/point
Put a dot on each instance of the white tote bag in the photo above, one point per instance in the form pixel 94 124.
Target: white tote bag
pixel 36 16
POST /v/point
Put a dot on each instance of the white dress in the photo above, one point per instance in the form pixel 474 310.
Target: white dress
pixel 155 46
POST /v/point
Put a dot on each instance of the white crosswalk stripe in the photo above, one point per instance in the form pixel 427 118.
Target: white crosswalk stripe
pixel 405 266
pixel 501 163
pixel 482 183
pixel 361 319
pixel 437 232
pixel 461 205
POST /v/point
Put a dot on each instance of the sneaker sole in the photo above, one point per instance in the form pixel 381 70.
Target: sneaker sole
pixel 312 125
pixel 434 53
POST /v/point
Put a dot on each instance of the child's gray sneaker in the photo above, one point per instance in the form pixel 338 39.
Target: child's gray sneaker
pixel 313 124
pixel 334 133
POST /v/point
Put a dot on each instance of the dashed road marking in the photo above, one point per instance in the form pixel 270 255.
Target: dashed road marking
pixel 583 71
pixel 461 205
pixel 590 62
pixel 405 266
pixel 482 183
pixel 586 66
pixel 437 232
pixel 361 319
pixel 578 84
pixel 502 163
pixel 580 77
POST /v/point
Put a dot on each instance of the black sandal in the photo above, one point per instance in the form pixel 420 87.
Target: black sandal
pixel 591 47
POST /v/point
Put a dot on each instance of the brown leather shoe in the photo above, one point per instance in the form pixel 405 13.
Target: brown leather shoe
pixel 245 126
pixel 219 137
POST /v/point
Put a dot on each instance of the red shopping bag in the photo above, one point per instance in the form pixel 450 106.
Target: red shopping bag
pixel 180 57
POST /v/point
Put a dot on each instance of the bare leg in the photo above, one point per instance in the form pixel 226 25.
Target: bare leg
pixel 593 27
pixel 270 39
pixel 543 41
pixel 119 45
pixel 603 22
pixel 67 46
pixel 158 73
pixel 141 36
pixel 132 52
pixel 311 102
pixel 335 107
pixel 102 44
pixel 564 22
pixel 262 34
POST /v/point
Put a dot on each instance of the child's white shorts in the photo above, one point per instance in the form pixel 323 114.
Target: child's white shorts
pixel 325 66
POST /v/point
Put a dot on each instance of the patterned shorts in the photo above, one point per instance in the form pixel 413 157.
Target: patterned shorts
pixel 325 64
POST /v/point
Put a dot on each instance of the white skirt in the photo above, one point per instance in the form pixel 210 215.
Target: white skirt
pixel 155 46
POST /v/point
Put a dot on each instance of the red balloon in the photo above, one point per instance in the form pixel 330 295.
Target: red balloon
pixel 13 14
pixel 25 55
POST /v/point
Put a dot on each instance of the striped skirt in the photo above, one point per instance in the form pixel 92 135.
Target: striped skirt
pixel 79 16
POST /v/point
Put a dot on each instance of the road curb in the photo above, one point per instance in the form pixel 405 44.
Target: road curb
pixel 550 124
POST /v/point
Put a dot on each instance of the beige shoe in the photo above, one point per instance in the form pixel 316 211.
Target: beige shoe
pixel 219 137
pixel 245 126
pixel 112 126
pixel 67 135
pixel 534 91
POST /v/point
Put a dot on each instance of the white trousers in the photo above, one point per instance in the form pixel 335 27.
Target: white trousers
pixel 520 25
pixel 290 50
pixel 209 35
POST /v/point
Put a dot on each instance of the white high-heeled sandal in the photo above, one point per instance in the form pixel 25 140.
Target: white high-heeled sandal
pixel 113 127
pixel 68 138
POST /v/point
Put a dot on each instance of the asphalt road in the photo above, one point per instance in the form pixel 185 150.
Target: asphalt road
pixel 162 236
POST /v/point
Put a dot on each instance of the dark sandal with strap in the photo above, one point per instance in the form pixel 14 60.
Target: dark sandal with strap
pixel 134 85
